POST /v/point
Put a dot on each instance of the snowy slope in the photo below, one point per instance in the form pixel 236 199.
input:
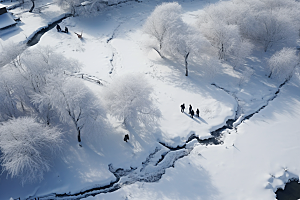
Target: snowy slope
pixel 263 158
pixel 113 45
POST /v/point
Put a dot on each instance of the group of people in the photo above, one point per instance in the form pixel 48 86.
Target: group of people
pixel 59 29
pixel 191 111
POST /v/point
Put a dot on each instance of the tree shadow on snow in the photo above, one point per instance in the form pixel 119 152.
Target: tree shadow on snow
pixel 140 137
pixel 196 82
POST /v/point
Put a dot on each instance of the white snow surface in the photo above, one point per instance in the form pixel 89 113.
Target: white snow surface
pixel 257 157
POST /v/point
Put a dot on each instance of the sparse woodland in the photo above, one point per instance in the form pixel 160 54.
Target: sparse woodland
pixel 39 95
pixel 227 31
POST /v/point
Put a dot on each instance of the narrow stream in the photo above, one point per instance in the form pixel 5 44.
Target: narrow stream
pixel 36 38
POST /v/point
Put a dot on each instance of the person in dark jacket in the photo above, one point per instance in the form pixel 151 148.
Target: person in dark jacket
pixel 66 30
pixel 58 28
pixel 192 113
pixel 197 112
pixel 190 109
pixel 126 137
pixel 182 107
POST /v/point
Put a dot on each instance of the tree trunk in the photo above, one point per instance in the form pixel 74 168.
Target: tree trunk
pixel 270 75
pixel 78 136
pixel 158 52
pixel 186 63
pixel 32 7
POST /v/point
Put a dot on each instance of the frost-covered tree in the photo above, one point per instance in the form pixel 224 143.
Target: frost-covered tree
pixel 86 8
pixel 13 98
pixel 269 28
pixel 161 21
pixel 224 37
pixel 184 42
pixel 72 6
pixel 43 63
pixel 29 73
pixel 27 148
pixel 129 99
pixel 72 101
pixel 11 53
pixel 282 64
pixel 38 85
pixel 264 22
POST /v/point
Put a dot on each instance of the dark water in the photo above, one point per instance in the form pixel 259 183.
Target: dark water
pixel 290 192
pixel 36 38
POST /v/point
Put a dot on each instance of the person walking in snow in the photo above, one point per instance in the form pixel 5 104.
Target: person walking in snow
pixel 126 137
pixel 66 30
pixel 58 28
pixel 192 113
pixel 197 112
pixel 182 107
pixel 190 109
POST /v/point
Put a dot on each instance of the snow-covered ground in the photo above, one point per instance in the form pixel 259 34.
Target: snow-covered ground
pixel 256 158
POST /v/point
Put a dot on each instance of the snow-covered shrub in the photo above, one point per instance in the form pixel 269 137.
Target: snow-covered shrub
pixel 129 99
pixel 161 21
pixel 282 64
pixel 27 148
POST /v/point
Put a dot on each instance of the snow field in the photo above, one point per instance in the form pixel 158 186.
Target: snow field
pixel 249 165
